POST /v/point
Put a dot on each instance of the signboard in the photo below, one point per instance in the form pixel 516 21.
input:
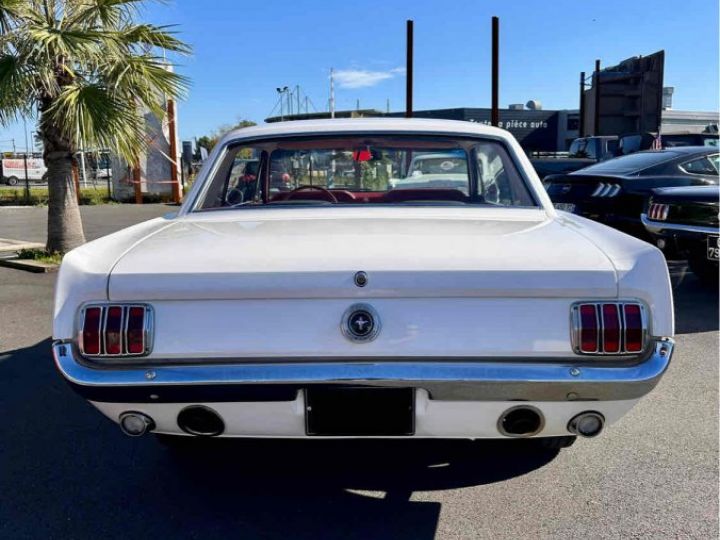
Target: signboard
pixel 535 130
pixel 631 96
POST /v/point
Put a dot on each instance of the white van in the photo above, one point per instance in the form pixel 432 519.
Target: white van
pixel 12 170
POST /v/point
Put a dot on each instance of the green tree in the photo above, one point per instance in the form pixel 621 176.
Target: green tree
pixel 86 69
pixel 209 141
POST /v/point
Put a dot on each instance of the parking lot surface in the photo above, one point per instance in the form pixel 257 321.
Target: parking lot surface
pixel 67 472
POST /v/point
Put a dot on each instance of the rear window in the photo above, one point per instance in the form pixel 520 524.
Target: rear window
pixel 369 169
pixel 631 163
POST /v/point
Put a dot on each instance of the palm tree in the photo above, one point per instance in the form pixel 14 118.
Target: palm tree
pixel 85 69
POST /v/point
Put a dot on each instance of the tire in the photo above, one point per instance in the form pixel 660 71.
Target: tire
pixel 705 271
pixel 556 443
pixel 12 181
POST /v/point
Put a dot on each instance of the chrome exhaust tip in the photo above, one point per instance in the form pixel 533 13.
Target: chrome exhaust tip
pixel 521 421
pixel 200 420
pixel 135 424
pixel 587 424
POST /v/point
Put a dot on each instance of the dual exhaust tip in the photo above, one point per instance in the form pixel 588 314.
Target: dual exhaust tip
pixel 526 421
pixel 193 420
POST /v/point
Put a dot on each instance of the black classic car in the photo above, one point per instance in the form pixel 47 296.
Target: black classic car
pixel 616 192
pixel 684 221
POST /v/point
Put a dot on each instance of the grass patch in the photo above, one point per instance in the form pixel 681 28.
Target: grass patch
pixel 40 255
pixel 39 196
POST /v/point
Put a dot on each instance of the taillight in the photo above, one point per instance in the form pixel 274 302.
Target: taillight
pixel 588 328
pixel 136 330
pixel 606 190
pixel 116 330
pixel 611 328
pixel 608 328
pixel 633 328
pixel 113 330
pixel 90 342
pixel 658 212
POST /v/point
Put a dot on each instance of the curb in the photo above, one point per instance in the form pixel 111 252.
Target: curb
pixel 29 265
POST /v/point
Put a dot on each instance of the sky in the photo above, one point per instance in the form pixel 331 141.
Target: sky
pixel 244 50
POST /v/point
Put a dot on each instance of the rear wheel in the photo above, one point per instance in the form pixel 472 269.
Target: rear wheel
pixel 556 443
pixel 12 181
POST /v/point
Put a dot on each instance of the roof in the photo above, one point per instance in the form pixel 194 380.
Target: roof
pixel 364 125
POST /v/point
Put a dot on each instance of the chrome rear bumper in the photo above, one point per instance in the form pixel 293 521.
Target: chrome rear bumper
pixel 450 380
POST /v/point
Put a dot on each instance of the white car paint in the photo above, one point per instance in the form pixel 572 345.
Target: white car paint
pixel 455 283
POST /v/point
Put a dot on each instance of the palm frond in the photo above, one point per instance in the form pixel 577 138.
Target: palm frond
pixel 153 36
pixel 94 115
pixel 9 11
pixel 16 88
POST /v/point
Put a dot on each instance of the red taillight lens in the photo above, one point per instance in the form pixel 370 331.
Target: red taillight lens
pixel 136 330
pixel 91 330
pixel 113 330
pixel 608 328
pixel 611 328
pixel 588 328
pixel 633 328
pixel 658 212
pixel 116 330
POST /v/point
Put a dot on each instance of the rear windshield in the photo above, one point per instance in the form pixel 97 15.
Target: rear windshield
pixel 366 170
pixel 630 163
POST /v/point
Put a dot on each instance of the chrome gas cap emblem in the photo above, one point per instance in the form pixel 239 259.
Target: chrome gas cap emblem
pixel 360 323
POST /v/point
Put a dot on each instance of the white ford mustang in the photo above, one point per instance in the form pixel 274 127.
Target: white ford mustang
pixel 299 292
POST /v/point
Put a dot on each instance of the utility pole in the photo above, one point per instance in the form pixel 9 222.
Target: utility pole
pixel 495 106
pixel 596 115
pixel 409 69
pixel 332 93
pixel 27 148
pixel 581 126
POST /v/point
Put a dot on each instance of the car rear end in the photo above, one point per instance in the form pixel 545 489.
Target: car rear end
pixel 508 337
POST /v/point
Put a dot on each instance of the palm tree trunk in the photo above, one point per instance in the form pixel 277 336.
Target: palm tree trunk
pixel 65 230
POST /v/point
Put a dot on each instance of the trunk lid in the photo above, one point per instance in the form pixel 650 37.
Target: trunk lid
pixel 407 252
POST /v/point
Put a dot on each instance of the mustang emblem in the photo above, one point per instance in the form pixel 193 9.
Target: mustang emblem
pixel 360 323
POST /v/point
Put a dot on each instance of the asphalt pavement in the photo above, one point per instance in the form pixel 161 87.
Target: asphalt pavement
pixel 67 472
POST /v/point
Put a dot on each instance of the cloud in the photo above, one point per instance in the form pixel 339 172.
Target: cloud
pixel 363 78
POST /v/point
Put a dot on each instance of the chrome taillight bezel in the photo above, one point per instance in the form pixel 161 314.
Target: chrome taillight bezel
pixel 148 329
pixel 576 328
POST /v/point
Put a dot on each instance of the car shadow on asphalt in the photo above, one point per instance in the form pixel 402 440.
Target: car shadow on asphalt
pixel 71 473
pixel 696 303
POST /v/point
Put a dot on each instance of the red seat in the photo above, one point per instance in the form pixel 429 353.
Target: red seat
pixel 429 194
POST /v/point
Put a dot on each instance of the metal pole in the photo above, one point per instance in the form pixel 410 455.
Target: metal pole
pixel 297 91
pixel 108 175
pixel 596 84
pixel 82 166
pixel 581 126
pixel 27 147
pixel 495 74
pixel 332 93
pixel 27 180
pixel 409 71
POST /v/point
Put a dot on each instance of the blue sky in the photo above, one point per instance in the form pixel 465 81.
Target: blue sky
pixel 244 50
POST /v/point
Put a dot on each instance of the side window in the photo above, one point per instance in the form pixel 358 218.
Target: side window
pixel 237 180
pixel 701 165
pixel 577 148
pixel 499 181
